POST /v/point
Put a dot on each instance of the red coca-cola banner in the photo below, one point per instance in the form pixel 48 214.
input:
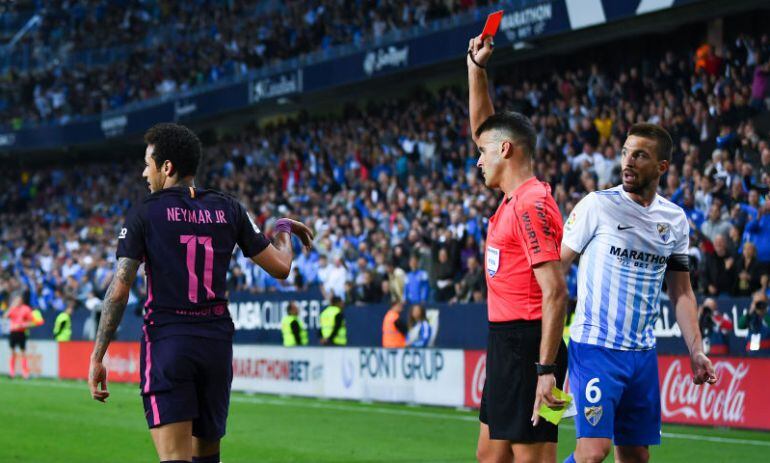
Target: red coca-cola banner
pixel 736 400
pixel 121 361
pixel 475 375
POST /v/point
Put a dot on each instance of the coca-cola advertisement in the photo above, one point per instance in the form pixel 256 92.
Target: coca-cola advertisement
pixel 735 400
pixel 475 375
pixel 121 361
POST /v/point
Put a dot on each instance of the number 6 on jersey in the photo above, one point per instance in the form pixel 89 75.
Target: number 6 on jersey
pixel 593 393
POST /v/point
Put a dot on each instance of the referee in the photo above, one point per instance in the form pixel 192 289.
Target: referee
pixel 527 294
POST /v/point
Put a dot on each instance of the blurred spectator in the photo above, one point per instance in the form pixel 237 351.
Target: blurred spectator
pixel 393 328
pixel 62 328
pixel 749 271
pixel 715 224
pixel 420 331
pixel 333 327
pixel 714 327
pixel 370 289
pixel 237 280
pixel 308 264
pixel 472 287
pixel 396 282
pixel 417 286
pixel 719 274
pixel 445 273
pixel 292 329
pixel 332 278
pixel 694 215
pixel 759 86
pixel 757 321
pixel 758 232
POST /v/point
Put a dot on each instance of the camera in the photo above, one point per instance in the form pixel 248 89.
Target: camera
pixel 706 320
pixel 755 318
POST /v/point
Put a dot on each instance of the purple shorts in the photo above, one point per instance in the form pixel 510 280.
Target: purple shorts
pixel 187 378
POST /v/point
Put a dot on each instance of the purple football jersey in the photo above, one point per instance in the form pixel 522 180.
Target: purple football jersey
pixel 186 238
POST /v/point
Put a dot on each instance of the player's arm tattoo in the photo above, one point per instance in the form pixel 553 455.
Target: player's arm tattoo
pixel 114 304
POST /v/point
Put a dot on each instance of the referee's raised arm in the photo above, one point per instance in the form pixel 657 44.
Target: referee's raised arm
pixel 480 105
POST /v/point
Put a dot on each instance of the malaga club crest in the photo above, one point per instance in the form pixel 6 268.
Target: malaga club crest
pixel 593 414
pixel 664 230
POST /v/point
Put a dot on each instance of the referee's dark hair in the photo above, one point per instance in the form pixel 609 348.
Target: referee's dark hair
pixel 659 134
pixel 516 125
pixel 175 143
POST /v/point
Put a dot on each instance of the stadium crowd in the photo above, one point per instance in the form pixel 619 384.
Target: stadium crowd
pixel 393 194
pixel 156 48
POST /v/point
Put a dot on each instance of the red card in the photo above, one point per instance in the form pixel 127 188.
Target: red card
pixel 493 22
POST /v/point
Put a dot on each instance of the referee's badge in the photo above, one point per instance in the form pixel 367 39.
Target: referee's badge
pixel 493 260
pixel 593 414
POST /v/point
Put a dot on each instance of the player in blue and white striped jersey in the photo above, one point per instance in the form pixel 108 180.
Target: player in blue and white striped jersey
pixel 629 239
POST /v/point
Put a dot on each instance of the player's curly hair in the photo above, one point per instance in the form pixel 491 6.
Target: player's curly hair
pixel 175 143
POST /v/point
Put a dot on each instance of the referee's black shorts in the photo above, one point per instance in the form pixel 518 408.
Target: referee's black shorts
pixel 509 392
pixel 18 339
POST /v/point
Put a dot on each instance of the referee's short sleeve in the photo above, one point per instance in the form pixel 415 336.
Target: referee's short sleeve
pixel 539 223
pixel 131 238
pixel 581 224
pixel 248 235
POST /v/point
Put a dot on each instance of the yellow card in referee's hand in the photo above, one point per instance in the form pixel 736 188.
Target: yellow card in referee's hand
pixel 554 415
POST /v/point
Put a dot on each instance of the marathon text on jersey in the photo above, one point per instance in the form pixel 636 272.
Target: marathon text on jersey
pixel 638 255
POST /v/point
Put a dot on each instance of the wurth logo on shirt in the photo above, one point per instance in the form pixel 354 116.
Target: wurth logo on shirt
pixel 531 234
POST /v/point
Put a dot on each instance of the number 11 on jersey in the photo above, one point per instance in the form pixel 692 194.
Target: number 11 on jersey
pixel 192 242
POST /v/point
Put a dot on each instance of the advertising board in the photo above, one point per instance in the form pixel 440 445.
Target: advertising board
pixel 42 358
pixel 121 361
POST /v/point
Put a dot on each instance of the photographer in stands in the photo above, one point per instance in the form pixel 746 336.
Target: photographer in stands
pixel 757 322
pixel 715 328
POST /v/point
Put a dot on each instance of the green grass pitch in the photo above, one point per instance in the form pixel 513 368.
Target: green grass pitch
pixel 56 421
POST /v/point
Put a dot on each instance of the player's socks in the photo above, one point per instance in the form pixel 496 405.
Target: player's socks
pixel 24 368
pixel 176 461
pixel 570 458
pixel 209 459
pixel 12 365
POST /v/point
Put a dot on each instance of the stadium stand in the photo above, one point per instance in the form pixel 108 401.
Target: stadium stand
pixel 396 179
pixel 83 58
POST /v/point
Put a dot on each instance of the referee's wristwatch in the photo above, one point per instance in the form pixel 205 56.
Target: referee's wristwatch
pixel 545 369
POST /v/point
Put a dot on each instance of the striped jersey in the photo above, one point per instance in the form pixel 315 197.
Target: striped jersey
pixel 625 250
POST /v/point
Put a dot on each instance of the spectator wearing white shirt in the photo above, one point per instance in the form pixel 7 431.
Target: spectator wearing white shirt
pixel 333 278
pixel 606 167
pixel 587 156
